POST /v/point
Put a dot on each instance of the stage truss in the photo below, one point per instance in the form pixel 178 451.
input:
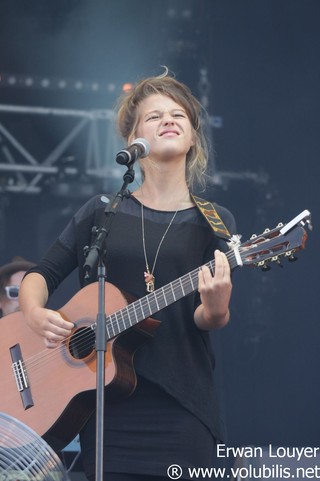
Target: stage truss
pixel 85 144
pixel 82 154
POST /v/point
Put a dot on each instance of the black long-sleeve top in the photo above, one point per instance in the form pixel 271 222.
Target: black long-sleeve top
pixel 179 358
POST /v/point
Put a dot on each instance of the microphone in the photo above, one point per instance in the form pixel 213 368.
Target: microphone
pixel 138 149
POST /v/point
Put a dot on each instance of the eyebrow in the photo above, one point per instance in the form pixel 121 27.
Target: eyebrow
pixel 156 111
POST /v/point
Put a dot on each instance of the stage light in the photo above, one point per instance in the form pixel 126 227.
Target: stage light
pixel 12 80
pixel 52 83
pixel 29 81
pixel 45 83
pixel 171 13
pixel 186 14
pixel 111 87
pixel 127 87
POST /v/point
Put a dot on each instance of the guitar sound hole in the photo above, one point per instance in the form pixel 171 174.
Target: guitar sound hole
pixel 82 343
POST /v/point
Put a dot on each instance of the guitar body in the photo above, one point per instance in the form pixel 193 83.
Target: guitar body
pixel 61 382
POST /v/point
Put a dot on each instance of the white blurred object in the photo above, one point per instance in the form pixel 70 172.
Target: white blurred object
pixel 25 456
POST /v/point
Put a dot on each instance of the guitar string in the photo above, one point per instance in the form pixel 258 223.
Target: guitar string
pixel 82 339
pixel 52 353
pixel 55 352
pixel 49 356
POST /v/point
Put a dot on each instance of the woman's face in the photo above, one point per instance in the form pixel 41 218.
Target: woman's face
pixel 166 126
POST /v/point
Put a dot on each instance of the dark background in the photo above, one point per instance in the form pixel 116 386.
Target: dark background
pixel 255 64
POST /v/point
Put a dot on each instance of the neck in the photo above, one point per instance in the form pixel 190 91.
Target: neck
pixel 166 194
pixel 164 186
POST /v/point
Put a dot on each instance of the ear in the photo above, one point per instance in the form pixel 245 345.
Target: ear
pixel 193 138
pixel 193 141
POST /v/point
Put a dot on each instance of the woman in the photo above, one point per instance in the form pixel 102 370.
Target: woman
pixel 157 236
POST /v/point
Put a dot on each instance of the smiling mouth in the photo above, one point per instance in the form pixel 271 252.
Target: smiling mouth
pixel 169 132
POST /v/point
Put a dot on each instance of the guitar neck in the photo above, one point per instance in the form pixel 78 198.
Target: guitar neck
pixel 145 307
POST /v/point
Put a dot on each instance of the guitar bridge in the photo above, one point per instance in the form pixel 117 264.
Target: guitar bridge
pixel 21 377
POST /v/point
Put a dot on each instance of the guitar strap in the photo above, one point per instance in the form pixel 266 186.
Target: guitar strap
pixel 211 215
pixel 206 208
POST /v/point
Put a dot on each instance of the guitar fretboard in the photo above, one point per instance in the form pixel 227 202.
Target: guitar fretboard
pixel 145 307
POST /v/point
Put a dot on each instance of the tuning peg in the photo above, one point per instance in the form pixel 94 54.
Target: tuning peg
pixel 265 268
pixel 254 236
pixel 277 260
pixel 266 230
pixel 290 256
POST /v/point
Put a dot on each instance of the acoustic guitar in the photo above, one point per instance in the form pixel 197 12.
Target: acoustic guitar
pixel 53 390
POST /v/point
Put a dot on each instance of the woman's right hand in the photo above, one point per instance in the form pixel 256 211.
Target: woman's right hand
pixel 47 323
pixel 50 325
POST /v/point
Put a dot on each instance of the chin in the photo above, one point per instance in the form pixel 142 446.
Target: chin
pixel 172 151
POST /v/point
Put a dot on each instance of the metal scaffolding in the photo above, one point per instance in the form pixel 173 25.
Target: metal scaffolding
pixel 91 136
pixel 22 171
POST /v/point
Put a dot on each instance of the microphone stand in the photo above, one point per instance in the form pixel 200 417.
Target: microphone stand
pixel 94 255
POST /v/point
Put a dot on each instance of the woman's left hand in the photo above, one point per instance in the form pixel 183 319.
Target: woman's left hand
pixel 215 293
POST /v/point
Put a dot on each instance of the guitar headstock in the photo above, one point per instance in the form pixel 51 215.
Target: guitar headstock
pixel 282 241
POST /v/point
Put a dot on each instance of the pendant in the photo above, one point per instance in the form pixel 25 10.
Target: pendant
pixel 149 279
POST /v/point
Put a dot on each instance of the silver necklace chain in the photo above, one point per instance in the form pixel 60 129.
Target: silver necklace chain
pixel 149 275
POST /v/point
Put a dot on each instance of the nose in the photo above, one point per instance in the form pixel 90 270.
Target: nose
pixel 168 119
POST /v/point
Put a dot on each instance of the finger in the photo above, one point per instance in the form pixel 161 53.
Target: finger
pixel 54 333
pixel 50 343
pixel 219 265
pixel 200 279
pixel 59 332
pixel 56 319
pixel 205 275
pixel 225 262
pixel 222 267
pixel 52 336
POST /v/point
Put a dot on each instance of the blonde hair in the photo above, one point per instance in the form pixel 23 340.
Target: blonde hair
pixel 128 118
